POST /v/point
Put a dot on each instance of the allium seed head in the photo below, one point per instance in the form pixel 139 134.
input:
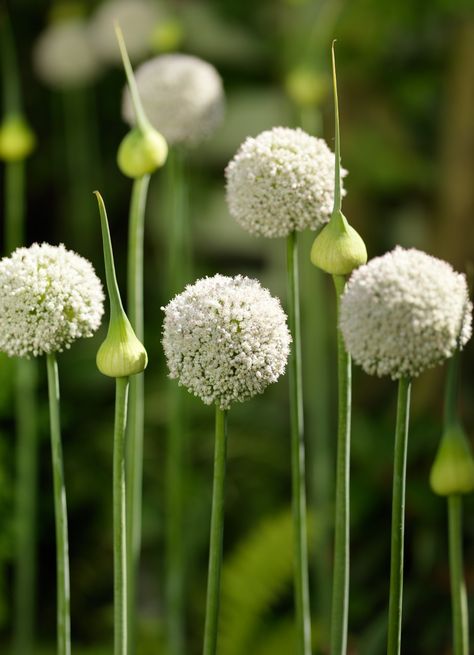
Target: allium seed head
pixel 49 297
pixel 225 339
pixel 63 57
pixel 281 181
pixel 404 312
pixel 182 97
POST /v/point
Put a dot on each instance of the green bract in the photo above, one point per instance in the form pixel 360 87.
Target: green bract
pixel 141 152
pixel 121 354
pixel 453 469
pixel 338 249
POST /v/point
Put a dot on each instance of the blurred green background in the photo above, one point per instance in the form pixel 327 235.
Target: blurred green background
pixel 406 92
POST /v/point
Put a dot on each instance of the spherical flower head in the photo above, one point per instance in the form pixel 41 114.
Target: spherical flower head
pixel 281 181
pixel 63 57
pixel 182 96
pixel 49 297
pixel 404 312
pixel 138 20
pixel 225 339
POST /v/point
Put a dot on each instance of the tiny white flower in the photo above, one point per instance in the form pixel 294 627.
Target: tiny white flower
pixel 49 297
pixel 182 97
pixel 281 181
pixel 63 57
pixel 404 312
pixel 225 339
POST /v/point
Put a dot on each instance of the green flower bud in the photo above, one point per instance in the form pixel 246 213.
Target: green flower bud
pixel 306 87
pixel 167 35
pixel 338 249
pixel 121 354
pixel 453 469
pixel 17 139
pixel 141 152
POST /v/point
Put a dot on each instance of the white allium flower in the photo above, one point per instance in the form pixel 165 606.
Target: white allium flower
pixel 63 56
pixel 137 19
pixel 225 339
pixel 404 312
pixel 182 97
pixel 49 296
pixel 281 181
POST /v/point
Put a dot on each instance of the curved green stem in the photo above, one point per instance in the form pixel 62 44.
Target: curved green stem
pixel 216 536
pixel 398 518
pixel 62 546
pixel 340 593
pixel 458 586
pixel 120 532
pixel 303 622
pixel 136 400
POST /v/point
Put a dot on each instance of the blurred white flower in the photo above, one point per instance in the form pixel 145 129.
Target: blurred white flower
pixel 182 97
pixel 63 57
pixel 225 339
pixel 137 20
pixel 49 297
pixel 403 313
pixel 281 181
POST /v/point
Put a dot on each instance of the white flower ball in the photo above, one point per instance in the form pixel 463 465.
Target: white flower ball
pixel 63 57
pixel 404 312
pixel 225 339
pixel 281 181
pixel 182 96
pixel 137 20
pixel 49 297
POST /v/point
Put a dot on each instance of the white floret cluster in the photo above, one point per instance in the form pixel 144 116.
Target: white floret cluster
pixel 225 339
pixel 49 297
pixel 63 57
pixel 281 181
pixel 182 96
pixel 404 312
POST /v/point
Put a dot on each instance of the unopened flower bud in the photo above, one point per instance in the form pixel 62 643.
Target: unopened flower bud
pixel 453 469
pixel 17 139
pixel 141 152
pixel 306 87
pixel 338 249
pixel 121 354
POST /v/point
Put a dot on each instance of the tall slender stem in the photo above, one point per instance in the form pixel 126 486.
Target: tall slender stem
pixel 303 623
pixel 340 593
pixel 398 518
pixel 62 546
pixel 458 586
pixel 14 205
pixel 136 401
pixel 120 531
pixel 26 490
pixel 175 466
pixel 216 537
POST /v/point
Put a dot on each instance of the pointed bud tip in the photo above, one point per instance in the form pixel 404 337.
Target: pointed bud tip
pixel 141 152
pixel 338 249
pixel 452 472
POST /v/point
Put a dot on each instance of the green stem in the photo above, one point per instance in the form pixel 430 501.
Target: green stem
pixel 451 392
pixel 458 586
pixel 14 205
pixel 340 593
pixel 120 506
pixel 10 78
pixel 175 466
pixel 136 401
pixel 62 547
pixel 303 622
pixel 337 148
pixel 26 490
pixel 216 536
pixel 398 518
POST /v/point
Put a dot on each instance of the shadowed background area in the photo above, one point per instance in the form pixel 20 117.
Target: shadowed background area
pixel 406 94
